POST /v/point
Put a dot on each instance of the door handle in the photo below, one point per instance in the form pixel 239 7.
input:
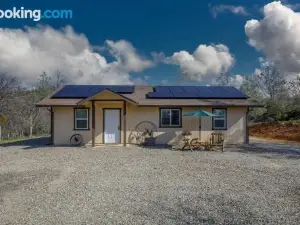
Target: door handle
pixel 119 128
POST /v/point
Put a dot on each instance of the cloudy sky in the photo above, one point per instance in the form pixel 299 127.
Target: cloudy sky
pixel 151 42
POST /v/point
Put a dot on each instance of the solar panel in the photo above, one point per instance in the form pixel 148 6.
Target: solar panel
pixel 185 95
pixel 190 89
pixel 217 91
pixel 177 89
pixel 162 89
pixel 205 92
pixel 196 92
pixel 84 91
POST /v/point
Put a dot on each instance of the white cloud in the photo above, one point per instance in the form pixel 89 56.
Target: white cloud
pixel 206 62
pixel 277 36
pixel 127 56
pixel 158 57
pixel 217 9
pixel 26 53
pixel 236 80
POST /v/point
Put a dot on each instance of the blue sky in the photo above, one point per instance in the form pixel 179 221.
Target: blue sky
pixel 156 26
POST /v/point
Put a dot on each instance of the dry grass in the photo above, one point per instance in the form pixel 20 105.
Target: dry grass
pixel 287 131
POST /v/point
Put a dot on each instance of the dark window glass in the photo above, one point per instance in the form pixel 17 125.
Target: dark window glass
pixel 165 117
pixel 175 117
pixel 170 117
pixel 81 124
pixel 81 113
pixel 81 119
pixel 219 122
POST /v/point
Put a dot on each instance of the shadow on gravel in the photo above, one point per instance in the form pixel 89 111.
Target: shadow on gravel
pixel 210 209
pixel 270 150
pixel 13 181
pixel 30 143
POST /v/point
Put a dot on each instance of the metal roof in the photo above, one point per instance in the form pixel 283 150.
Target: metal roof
pixel 85 91
pixel 140 97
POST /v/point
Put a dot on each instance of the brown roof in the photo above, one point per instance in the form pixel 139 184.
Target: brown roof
pixel 139 96
pixel 46 102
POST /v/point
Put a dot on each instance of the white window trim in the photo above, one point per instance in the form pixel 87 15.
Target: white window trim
pixel 170 125
pixel 219 118
pixel 87 119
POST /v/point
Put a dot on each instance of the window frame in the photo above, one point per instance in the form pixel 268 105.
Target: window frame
pixel 170 126
pixel 225 118
pixel 88 119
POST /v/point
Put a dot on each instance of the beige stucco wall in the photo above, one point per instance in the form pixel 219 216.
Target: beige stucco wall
pixel 163 135
pixel 235 133
pixel 64 124
pixel 236 125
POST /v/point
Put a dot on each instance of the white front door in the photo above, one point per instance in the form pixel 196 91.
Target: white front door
pixel 112 126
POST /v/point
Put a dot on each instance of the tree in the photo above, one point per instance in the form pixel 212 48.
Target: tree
pixel 294 86
pixel 3 120
pixel 17 106
pixel 249 87
pixel 59 81
pixel 6 88
pixel 224 79
pixel 267 86
pixel 270 82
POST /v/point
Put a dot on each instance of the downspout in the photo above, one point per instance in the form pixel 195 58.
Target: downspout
pixel 247 127
pixel 51 125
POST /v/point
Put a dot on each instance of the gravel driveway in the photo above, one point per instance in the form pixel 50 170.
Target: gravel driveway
pixel 253 184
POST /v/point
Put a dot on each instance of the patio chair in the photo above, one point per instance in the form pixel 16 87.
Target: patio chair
pixel 217 140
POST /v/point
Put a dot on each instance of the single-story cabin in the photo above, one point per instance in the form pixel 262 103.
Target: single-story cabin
pixel 118 114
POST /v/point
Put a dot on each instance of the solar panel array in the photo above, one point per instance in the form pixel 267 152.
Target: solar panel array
pixel 84 91
pixel 196 92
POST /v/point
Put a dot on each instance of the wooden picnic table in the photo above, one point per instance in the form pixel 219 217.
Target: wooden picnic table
pixel 194 143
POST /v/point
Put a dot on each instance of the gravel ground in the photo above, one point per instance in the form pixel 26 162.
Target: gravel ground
pixel 253 184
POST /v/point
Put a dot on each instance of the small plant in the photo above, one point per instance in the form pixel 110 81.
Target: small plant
pixel 3 120
pixel 148 133
pixel 186 133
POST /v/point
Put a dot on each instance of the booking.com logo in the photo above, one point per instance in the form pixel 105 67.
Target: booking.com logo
pixel 36 14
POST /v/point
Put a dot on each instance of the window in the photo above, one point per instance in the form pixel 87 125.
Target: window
pixel 170 117
pixel 219 122
pixel 81 119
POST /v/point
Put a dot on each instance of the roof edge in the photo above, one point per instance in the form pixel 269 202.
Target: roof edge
pixel 107 89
